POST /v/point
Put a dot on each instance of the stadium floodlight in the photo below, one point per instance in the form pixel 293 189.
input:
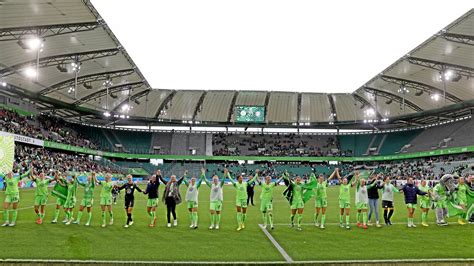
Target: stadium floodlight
pixel 369 112
pixel 33 44
pixel 403 90
pixel 106 114
pixel 125 107
pixel 30 72
pixel 435 97
pixel 71 90
pixel 61 68
pixel 4 84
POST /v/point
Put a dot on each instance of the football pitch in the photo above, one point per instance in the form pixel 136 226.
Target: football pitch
pixel 181 244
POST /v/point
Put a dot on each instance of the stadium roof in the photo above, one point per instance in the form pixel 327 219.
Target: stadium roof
pixel 73 32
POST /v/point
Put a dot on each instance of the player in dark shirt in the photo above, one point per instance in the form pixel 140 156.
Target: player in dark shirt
pixel 130 188
pixel 152 192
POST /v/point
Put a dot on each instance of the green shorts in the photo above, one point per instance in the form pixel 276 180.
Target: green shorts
pixel 12 198
pixel 441 204
pixel 87 202
pixel 361 206
pixel 41 200
pixel 106 201
pixel 266 205
pixel 411 205
pixel 321 203
pixel 299 204
pixel 425 204
pixel 344 204
pixel 152 203
pixel 191 204
pixel 241 203
pixel 216 205
pixel 69 204
pixel 60 201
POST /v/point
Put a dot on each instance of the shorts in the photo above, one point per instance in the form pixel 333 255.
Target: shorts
pixel 60 201
pixel 362 206
pixel 441 204
pixel 321 203
pixel 129 203
pixel 411 205
pixel 152 203
pixel 87 202
pixel 192 204
pixel 425 204
pixel 299 204
pixel 241 203
pixel 12 198
pixel 386 204
pixel 106 201
pixel 216 205
pixel 344 204
pixel 41 200
pixel 266 205
pixel 69 204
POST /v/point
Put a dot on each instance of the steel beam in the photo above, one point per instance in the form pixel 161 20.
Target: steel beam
pixel 393 97
pixel 44 31
pixel 113 89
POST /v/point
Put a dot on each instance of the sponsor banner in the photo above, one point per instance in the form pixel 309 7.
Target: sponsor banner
pixel 23 139
pixel 7 153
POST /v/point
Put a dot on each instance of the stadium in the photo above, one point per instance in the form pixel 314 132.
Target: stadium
pixel 380 174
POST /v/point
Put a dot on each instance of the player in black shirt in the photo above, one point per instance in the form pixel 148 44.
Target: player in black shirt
pixel 129 198
pixel 152 192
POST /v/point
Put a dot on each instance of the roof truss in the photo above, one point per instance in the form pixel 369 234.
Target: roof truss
pixel 44 31
pixel 113 89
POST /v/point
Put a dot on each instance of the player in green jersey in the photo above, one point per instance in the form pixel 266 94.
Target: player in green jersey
pixel 322 198
pixel 12 197
pixel 345 199
pixel 70 203
pixel 41 194
pixel 88 199
pixel 106 198
pixel 216 198
pixel 241 197
pixel 425 202
pixel 266 199
pixel 461 198
pixel 294 194
pixel 192 196
pixel 59 201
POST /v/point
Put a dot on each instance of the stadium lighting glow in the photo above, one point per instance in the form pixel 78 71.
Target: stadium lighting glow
pixel 125 107
pixel 435 97
pixel 30 72
pixel 4 84
pixel 370 112
pixel 32 44
pixel 106 114
pixel 70 90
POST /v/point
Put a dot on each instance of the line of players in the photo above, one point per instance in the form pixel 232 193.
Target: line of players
pixel 297 193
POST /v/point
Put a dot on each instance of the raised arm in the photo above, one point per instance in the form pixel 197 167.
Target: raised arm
pixel 356 174
pixel 183 178
pixel 227 174
pixel 160 178
pixel 333 174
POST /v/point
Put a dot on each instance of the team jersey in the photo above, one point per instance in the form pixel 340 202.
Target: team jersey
pixel 216 190
pixel 88 189
pixel 241 188
pixel 387 192
pixel 439 190
pixel 129 190
pixel 345 192
pixel 425 198
pixel 320 190
pixel 12 185
pixel 41 187
pixel 106 190
pixel 152 189
pixel 192 193
pixel 361 194
pixel 267 191
pixel 461 193
pixel 71 189
pixel 297 192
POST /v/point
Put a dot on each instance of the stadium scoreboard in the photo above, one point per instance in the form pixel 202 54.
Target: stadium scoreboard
pixel 250 114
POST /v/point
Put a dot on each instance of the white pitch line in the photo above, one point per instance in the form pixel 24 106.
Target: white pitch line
pixel 383 225
pixel 275 243
pixel 381 261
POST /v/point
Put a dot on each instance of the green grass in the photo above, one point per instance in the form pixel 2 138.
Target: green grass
pixel 57 241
